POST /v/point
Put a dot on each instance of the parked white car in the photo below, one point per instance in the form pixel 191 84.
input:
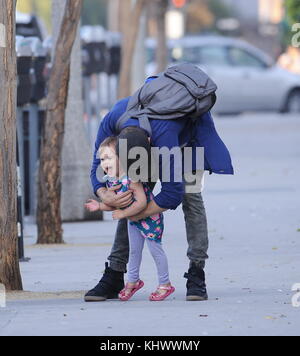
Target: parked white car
pixel 247 78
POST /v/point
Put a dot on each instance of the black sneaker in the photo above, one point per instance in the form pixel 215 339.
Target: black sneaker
pixel 109 286
pixel 196 287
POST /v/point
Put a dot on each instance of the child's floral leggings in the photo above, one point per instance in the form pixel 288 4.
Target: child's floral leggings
pixel 136 245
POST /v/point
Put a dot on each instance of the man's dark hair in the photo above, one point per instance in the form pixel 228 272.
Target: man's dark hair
pixel 136 137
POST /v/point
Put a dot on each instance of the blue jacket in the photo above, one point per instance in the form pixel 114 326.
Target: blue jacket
pixel 170 133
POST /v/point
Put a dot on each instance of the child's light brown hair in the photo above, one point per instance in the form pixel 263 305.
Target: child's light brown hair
pixel 110 141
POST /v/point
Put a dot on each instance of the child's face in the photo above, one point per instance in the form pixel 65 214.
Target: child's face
pixel 109 161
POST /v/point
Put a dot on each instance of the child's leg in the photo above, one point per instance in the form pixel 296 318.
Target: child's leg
pixel 136 245
pixel 161 261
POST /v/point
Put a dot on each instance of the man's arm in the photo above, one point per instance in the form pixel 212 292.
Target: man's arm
pixel 109 197
pixel 172 189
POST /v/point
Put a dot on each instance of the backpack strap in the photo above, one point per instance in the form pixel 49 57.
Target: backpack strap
pixel 132 109
pixel 145 124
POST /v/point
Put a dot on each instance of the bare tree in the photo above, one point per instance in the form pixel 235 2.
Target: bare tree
pixel 161 49
pixel 130 31
pixel 49 186
pixel 75 180
pixel 9 266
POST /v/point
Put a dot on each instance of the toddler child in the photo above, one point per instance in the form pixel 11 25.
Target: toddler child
pixel 149 229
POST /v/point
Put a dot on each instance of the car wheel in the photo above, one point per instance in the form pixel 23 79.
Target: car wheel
pixel 293 102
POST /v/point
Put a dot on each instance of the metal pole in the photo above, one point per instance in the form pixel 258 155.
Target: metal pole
pixel 87 105
pixel 20 141
pixel 99 103
pixel 109 98
pixel 20 215
pixel 33 154
pixel 104 89
pixel 114 87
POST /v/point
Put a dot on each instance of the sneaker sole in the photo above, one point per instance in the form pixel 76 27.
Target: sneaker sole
pixel 90 298
pixel 196 297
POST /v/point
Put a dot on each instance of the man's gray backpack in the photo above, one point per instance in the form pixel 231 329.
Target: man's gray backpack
pixel 181 91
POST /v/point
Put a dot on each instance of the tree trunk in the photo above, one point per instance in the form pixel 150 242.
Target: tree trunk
pixel 161 49
pixel 75 180
pixel 130 32
pixel 49 186
pixel 9 265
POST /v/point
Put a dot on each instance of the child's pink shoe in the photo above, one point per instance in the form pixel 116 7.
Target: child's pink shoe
pixel 158 297
pixel 123 296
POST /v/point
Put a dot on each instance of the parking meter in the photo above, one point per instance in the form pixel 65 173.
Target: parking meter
pixel 48 44
pixel 113 62
pixel 24 63
pixel 93 50
pixel 87 51
pixel 28 25
pixel 100 49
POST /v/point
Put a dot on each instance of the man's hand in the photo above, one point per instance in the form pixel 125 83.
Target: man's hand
pixel 109 197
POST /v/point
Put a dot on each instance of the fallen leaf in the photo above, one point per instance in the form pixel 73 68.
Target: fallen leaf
pixel 270 318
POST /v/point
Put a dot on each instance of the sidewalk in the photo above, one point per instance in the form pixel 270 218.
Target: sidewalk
pixel 254 255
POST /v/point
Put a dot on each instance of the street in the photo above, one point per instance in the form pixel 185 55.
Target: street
pixel 254 254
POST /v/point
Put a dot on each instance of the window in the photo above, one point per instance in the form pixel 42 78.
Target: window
pixel 241 58
pixel 214 55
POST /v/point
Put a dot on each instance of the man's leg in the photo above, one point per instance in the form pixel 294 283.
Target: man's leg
pixel 112 281
pixel 120 250
pixel 197 237
pixel 196 228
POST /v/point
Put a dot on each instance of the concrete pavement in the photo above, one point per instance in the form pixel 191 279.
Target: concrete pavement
pixel 254 254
